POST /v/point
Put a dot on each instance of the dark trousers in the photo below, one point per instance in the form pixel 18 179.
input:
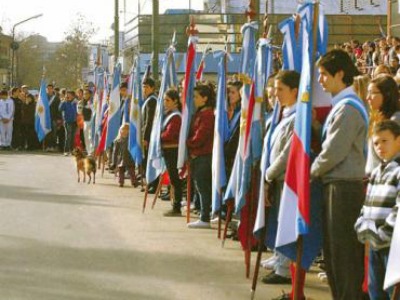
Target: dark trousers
pixel 50 140
pixel 121 174
pixel 200 167
pixel 17 140
pixel 344 254
pixel 29 137
pixel 377 262
pixel 171 160
pixel 70 130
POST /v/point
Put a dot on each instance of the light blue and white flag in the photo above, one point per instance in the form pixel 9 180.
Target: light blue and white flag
pixel 221 135
pixel 114 112
pixel 135 117
pixel 155 162
pixel 42 113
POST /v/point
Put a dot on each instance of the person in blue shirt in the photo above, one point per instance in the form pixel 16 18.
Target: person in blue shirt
pixel 69 111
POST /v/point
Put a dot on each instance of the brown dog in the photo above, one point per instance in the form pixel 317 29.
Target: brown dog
pixel 84 164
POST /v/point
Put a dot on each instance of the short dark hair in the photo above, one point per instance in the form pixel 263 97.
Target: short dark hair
pixel 3 93
pixel 387 86
pixel 289 78
pixel 338 60
pixel 149 81
pixel 123 85
pixel 50 85
pixel 14 89
pixel 390 125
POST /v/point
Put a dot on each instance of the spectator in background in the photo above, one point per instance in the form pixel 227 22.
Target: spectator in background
pixel 69 113
pixel 55 115
pixel 6 120
pixel 29 137
pixel 17 126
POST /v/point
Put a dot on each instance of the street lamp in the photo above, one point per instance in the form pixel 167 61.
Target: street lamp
pixel 14 45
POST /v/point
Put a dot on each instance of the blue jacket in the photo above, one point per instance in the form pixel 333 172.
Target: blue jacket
pixel 68 110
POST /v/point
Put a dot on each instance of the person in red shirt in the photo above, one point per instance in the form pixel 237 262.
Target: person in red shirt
pixel 200 145
pixel 169 141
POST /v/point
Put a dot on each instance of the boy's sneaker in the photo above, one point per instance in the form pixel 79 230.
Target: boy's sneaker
pixel 215 221
pixel 199 224
pixel 270 262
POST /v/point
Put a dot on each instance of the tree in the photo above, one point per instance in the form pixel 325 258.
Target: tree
pixel 73 55
pixel 30 59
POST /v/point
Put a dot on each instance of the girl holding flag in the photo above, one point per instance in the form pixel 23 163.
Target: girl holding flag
pixel 200 147
pixel 169 142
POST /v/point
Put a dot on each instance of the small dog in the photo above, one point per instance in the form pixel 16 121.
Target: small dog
pixel 84 164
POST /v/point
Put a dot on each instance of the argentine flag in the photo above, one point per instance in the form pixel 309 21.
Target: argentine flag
pixel 42 113
pixel 114 112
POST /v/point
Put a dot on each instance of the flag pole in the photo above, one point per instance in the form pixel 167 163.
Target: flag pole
pixel 251 14
pixel 300 242
pixel 267 197
pixel 157 191
pixel 190 31
pixel 396 292
pixel 229 205
pixel 220 190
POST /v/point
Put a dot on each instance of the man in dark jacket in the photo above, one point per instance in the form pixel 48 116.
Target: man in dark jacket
pixel 17 126
pixel 51 140
pixel 148 112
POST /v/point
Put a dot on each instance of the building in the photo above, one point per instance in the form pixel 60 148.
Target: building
pixel 220 21
pixel 5 54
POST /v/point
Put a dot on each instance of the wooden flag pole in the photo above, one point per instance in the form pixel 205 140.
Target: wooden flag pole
pixel 157 192
pixel 259 255
pixel 145 198
pixel 300 242
pixel 220 214
pixel 188 192
pixel 229 205
pixel 396 292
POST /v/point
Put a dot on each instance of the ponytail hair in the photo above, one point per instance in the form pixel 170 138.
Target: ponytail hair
pixel 173 94
pixel 207 89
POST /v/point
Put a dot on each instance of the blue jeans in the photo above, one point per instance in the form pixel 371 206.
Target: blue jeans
pixel 377 262
pixel 201 175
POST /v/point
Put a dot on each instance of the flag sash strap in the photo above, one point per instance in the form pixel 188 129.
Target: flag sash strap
pixel 234 122
pixel 169 117
pixel 147 102
pixel 282 123
pixel 355 102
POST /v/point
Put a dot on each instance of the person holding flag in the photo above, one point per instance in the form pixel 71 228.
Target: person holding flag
pixel 200 148
pixel 148 112
pixel 169 141
pixel 286 90
pixel 340 165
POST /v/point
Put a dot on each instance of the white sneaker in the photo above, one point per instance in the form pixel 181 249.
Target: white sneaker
pixel 323 277
pixel 215 221
pixel 270 263
pixel 199 224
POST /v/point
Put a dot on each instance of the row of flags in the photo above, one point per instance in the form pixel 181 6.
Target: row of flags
pixel 298 211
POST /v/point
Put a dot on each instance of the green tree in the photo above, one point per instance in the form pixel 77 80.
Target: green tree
pixel 66 65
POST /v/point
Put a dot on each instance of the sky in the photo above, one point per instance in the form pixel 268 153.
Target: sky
pixel 59 14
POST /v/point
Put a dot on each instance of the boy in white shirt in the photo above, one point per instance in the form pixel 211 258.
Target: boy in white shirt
pixel 6 120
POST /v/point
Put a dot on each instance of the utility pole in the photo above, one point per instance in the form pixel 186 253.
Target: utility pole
pixel 155 39
pixel 116 32
pixel 389 18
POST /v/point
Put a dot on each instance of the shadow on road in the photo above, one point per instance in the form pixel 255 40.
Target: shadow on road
pixel 30 194
pixel 32 269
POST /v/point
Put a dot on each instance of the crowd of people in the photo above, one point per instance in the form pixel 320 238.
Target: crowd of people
pixel 357 164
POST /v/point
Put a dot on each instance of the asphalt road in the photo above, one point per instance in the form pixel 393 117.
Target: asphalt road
pixel 63 240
